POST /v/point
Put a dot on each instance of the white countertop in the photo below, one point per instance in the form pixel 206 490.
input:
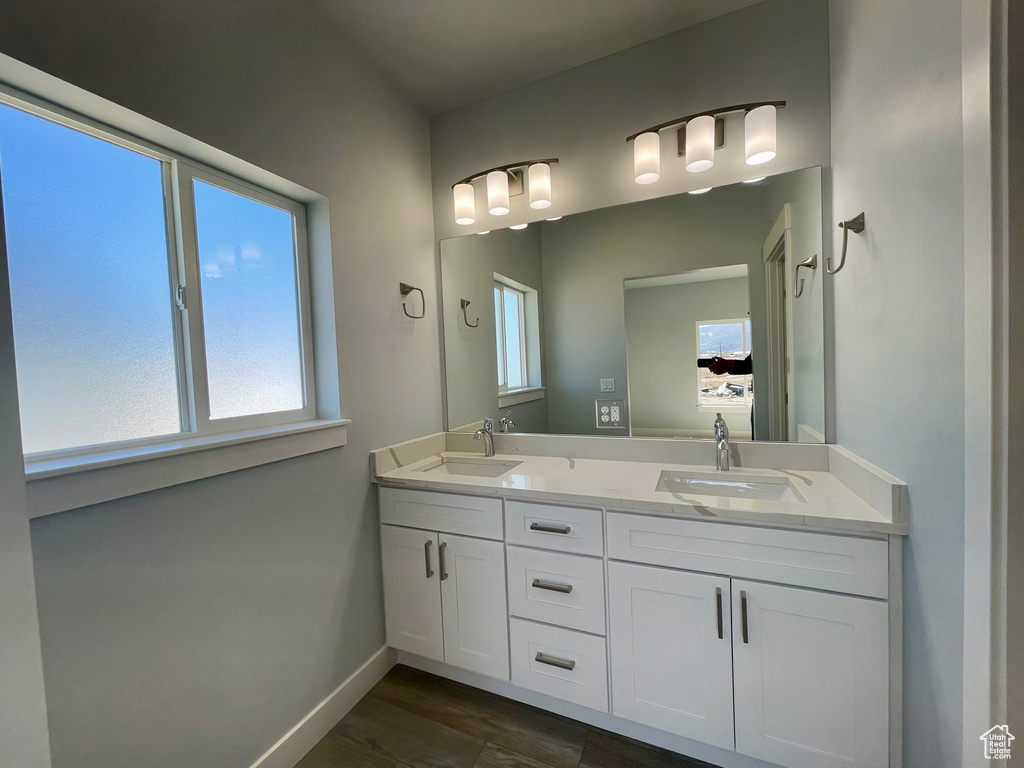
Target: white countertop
pixel 829 505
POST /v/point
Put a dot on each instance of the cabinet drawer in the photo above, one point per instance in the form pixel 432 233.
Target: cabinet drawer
pixel 818 560
pixel 561 663
pixel 567 590
pixel 546 526
pixel 446 512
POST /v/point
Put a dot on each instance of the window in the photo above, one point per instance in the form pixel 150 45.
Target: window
pixel 510 329
pixel 729 339
pixel 150 297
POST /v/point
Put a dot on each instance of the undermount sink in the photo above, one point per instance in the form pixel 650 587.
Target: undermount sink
pixel 455 465
pixel 733 484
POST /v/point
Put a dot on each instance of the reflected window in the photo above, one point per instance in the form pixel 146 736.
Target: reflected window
pixel 730 341
pixel 510 333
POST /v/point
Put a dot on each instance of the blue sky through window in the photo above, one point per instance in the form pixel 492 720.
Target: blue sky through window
pixel 250 309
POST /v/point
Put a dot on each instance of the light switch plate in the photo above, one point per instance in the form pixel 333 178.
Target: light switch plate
pixel 610 413
pixel 607 385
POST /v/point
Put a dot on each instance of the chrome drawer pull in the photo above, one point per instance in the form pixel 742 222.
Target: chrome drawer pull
pixel 426 556
pixel 549 528
pixel 553 586
pixel 554 661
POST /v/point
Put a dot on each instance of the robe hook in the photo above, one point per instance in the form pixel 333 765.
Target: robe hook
pixel 465 303
pixel 855 225
pixel 811 263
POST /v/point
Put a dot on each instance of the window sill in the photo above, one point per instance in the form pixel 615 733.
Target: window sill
pixel 57 485
pixel 517 396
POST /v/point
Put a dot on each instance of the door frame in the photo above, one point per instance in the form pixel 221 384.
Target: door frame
pixel 777 255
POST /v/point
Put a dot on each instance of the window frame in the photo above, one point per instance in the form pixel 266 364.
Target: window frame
pixel 502 358
pixel 748 403
pixel 177 172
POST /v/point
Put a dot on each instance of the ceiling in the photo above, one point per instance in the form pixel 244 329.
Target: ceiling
pixel 445 53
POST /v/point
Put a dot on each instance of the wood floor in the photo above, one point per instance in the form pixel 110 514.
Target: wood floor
pixel 414 720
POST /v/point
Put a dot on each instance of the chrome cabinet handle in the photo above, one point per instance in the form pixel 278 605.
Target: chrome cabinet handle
pixel 444 567
pixel 426 556
pixel 554 661
pixel 743 613
pixel 549 528
pixel 552 586
pixel 718 599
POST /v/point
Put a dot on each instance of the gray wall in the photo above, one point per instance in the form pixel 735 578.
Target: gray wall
pixel 23 732
pixel 468 265
pixel 661 345
pixel 897 147
pixel 194 626
pixel 586 258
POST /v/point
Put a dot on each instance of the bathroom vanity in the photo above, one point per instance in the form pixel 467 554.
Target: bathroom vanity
pixel 758 610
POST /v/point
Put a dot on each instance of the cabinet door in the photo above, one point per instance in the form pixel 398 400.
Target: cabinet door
pixel 812 677
pixel 412 592
pixel 671 651
pixel 472 573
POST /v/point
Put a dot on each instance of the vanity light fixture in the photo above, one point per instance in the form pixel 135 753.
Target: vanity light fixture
pixel 754 181
pixel 553 218
pixel 519 226
pixel 485 232
pixel 497 193
pixel 700 134
pixel 465 205
pixel 759 134
pixel 503 183
pixel 647 157
pixel 700 191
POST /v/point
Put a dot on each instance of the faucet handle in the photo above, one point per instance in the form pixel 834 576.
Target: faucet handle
pixel 721 428
pixel 488 425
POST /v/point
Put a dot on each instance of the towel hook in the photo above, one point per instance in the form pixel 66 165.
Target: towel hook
pixel 856 225
pixel 405 289
pixel 811 263
pixel 465 303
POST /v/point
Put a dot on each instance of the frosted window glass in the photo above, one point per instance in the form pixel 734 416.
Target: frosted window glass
pixel 87 252
pixel 513 341
pixel 250 306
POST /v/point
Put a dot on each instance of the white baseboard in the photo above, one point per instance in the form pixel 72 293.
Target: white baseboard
pixel 314 726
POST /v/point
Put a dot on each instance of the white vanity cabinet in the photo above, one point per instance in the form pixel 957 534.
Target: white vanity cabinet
pixel 811 676
pixel 805 671
pixel 671 651
pixel 769 642
pixel 444 593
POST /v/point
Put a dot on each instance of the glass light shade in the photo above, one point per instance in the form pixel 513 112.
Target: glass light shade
pixel 519 226
pixel 754 181
pixel 465 204
pixel 647 157
pixel 700 144
pixel 760 134
pixel 700 191
pixel 540 185
pixel 497 193
pixel 554 218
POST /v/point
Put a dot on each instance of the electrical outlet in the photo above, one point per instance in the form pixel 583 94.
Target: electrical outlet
pixel 607 385
pixel 609 413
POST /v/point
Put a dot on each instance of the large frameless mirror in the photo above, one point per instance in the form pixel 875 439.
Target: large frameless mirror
pixel 645 319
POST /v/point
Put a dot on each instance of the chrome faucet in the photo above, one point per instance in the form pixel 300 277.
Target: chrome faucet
pixel 506 424
pixel 721 444
pixel 487 433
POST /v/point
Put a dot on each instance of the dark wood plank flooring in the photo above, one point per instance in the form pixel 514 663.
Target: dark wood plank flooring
pixel 414 720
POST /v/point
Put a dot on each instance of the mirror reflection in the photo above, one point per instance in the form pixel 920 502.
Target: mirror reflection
pixel 645 319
